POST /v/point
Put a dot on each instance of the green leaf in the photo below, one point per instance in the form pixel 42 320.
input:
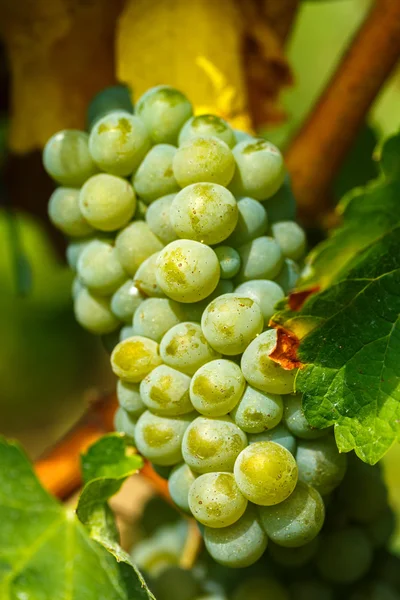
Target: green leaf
pixel 45 551
pixel 349 333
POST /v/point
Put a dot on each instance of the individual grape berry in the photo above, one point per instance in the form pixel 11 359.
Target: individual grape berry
pixel 203 159
pixel 282 205
pixel 215 500
pixel 212 444
pixel 155 316
pixel 261 258
pixel 297 520
pixel 160 438
pixel 291 239
pixel 293 557
pixel 266 293
pixel 65 214
pixel 288 276
pixel 94 313
pixel 187 271
pixel 260 588
pixel 266 473
pixel 229 261
pixel 296 421
pixel 99 268
pixel 158 218
pixel 125 301
pixel 238 545
pixel 252 222
pixel 231 322
pixel 134 358
pixel 205 212
pixel 185 348
pixel 107 202
pixel 260 169
pixel 74 249
pixel 124 423
pixel 263 373
pixel 321 464
pixel 66 158
pixel 177 583
pixel 163 110
pixel 134 244
pixel 279 434
pixel 110 99
pixel 125 333
pixel 165 391
pixel 145 278
pixel 154 177
pixel 118 142
pixel 344 556
pixel 129 398
pixel 257 411
pixel 207 126
pixel 311 589
pixel 216 388
pixel 179 482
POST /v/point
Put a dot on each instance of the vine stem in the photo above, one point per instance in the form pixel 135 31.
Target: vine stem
pixel 318 150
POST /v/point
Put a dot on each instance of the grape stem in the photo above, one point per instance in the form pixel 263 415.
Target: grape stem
pixel 318 150
pixel 192 547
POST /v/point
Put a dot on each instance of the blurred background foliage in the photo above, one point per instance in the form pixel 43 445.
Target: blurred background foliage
pixel 55 57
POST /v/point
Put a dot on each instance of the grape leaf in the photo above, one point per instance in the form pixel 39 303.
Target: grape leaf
pixel 45 551
pixel 346 337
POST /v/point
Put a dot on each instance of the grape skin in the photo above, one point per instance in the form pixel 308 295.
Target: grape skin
pixel 124 423
pixel 159 220
pixel 344 556
pixel 288 276
pixel 107 202
pixel 291 239
pixel 134 244
pixel 185 348
pixel 279 434
pixel 99 269
pixel 145 278
pixel 229 261
pixel 179 482
pixel 94 313
pixel 296 422
pixel 252 222
pixel 154 317
pixel 257 411
pixel 65 214
pixel 207 126
pixel 203 159
pixel 216 388
pixel 110 99
pixel 261 588
pixel 266 473
pixel 129 398
pixel 134 358
pixel 321 464
pixel 165 392
pixel 154 177
pixel 215 500
pixel 266 293
pixel 160 438
pixel 261 258
pixel 125 301
pixel 66 158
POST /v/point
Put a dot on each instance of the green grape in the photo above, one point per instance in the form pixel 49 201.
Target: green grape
pixel 238 545
pixel 242 136
pixel 230 322
pixel 288 276
pixel 266 473
pixel 291 239
pixel 257 411
pixel 94 313
pixel 125 301
pixel 203 159
pixel 165 391
pixel 212 444
pixel 260 169
pixel 279 434
pixel 179 482
pixel 363 481
pixel 155 316
pixel 195 310
pixel 159 221
pixel 185 348
pixel 134 244
pixel 206 126
pixel 297 520
pixel 293 557
pixel 118 142
pixel 66 158
pixel 141 210
pixel 99 268
pixel 107 202
pixel 110 99
pixel 215 500
pixel 282 205
pixel 124 423
pixel 177 584
pixel 164 110
pixel 76 287
pixel 134 358
pixel 263 373
pixel 321 464
pixel 311 590
pixel 145 278
pixel 164 546
pixel 260 588
pixel 216 388
pixel 375 590
pixel 205 212
pixel 261 258
pixel 252 222
pixel 187 271
pixel 154 177
pixel 160 438
pixel 129 399
pixel 74 250
pixel 266 293
pixel 65 214
pixel 125 333
pixel 382 528
pixel 229 261
pixel 344 556
pixel 296 422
